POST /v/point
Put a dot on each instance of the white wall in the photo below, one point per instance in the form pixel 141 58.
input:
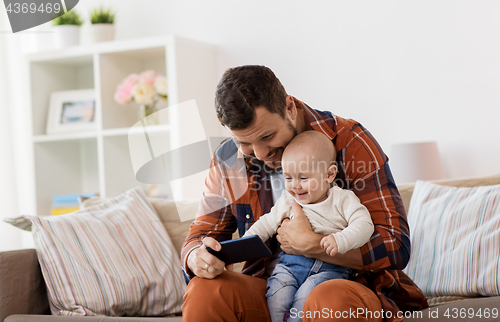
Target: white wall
pixel 409 71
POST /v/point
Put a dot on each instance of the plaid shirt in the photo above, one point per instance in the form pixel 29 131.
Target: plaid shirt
pixel 238 192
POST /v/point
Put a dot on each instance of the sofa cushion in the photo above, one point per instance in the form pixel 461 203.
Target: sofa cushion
pixel 455 235
pixel 114 258
pixel 406 189
pixel 168 211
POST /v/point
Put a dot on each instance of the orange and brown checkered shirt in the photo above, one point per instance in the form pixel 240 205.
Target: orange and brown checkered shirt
pixel 238 192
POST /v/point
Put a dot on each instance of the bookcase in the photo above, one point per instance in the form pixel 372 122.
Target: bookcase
pixel 98 161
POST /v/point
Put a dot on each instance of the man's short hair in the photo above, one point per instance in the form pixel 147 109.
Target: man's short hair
pixel 242 89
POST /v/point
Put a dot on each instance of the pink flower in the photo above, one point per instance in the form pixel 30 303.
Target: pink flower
pixel 131 79
pixel 146 88
pixel 123 94
pixel 148 76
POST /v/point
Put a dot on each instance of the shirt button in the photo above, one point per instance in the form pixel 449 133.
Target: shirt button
pixel 248 216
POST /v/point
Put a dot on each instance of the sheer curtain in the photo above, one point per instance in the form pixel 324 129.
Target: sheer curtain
pixel 15 188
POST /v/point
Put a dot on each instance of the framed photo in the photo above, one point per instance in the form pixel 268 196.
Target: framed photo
pixel 72 111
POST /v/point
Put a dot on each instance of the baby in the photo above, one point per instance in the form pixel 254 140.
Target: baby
pixel 309 169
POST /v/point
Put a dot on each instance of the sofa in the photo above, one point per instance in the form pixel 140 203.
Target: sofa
pixel 23 295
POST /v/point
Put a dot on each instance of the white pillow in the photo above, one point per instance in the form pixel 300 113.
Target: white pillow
pixel 455 238
pixel 114 259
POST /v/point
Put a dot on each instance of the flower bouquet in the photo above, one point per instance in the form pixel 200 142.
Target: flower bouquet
pixel 146 89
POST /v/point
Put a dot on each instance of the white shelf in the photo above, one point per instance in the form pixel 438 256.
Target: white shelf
pixel 77 54
pixel 164 128
pixel 64 137
pixel 99 161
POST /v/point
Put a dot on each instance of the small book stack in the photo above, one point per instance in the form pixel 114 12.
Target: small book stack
pixel 64 204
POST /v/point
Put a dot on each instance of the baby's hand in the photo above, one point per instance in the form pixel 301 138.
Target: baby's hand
pixel 329 244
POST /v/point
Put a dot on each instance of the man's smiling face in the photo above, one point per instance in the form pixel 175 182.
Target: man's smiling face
pixel 267 136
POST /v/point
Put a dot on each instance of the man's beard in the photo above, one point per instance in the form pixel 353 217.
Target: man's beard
pixel 277 164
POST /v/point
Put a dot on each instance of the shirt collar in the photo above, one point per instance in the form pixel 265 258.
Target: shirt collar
pixel 314 120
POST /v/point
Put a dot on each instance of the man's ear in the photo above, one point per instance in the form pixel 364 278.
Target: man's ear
pixel 331 173
pixel 291 109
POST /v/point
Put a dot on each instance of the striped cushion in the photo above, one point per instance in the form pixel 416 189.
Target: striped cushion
pixel 455 235
pixel 114 259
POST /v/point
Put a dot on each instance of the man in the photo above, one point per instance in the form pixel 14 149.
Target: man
pixel 243 184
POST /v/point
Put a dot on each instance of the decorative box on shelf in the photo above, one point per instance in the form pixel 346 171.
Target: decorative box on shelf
pixel 64 204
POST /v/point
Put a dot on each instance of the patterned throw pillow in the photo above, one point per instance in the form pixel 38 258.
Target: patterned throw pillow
pixel 455 238
pixel 114 259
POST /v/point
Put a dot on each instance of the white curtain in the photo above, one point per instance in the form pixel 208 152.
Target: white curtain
pixel 14 137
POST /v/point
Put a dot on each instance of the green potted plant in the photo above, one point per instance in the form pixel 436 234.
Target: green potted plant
pixel 67 29
pixel 102 25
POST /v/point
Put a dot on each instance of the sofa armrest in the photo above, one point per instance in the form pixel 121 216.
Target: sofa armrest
pixel 22 288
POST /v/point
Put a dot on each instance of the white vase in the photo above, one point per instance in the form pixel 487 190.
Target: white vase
pixel 101 32
pixel 148 114
pixel 66 35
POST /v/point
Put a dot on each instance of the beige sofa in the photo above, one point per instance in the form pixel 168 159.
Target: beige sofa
pixel 23 294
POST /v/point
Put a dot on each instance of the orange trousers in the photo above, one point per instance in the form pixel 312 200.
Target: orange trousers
pixel 233 297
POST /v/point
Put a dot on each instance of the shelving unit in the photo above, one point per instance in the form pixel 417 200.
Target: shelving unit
pixel 99 161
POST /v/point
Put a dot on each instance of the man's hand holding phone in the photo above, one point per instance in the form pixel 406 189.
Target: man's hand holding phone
pixel 211 258
pixel 203 264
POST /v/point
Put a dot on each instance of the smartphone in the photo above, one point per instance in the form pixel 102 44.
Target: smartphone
pixel 241 249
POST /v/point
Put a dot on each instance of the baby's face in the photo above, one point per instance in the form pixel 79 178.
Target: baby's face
pixel 305 179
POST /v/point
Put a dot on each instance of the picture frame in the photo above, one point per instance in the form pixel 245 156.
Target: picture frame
pixel 72 111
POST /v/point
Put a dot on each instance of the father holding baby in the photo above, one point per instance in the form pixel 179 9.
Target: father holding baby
pixel 243 184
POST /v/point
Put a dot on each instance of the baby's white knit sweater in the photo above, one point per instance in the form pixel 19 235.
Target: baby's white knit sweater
pixel 341 214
